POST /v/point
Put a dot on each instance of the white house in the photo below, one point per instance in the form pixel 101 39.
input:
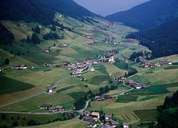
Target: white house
pixel 92 69
pixel 111 59
pixel 125 125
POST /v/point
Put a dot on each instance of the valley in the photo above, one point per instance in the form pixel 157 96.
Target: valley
pixel 58 72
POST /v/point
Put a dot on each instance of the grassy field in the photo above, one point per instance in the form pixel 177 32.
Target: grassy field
pixel 9 85
pixel 156 77
pixel 20 119
pixel 113 70
pixel 74 123
pixel 147 115
pixel 33 104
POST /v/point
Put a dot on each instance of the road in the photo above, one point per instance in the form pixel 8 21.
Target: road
pixel 86 106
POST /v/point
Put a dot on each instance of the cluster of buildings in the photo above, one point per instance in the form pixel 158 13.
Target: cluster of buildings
pixel 120 79
pixel 135 85
pixel 98 120
pixel 146 64
pixel 131 83
pixel 52 108
pixel 109 57
pixel 20 67
pixel 78 68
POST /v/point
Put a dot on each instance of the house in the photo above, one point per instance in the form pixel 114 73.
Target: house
pixel 46 51
pixel 56 109
pixel 51 89
pixel 21 67
pixel 45 106
pixel 95 115
pixel 99 98
pixel 92 69
pixel 138 87
pixel 51 108
pixel 108 117
pixel 111 59
pixel 164 62
pixel 149 65
pixel 134 84
pixel 95 62
pixel 125 125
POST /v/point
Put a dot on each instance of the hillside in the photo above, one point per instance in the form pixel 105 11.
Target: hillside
pixel 42 11
pixel 162 40
pixel 148 15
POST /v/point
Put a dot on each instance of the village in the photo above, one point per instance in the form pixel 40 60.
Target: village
pixel 88 65
pixel 96 119
pixel 146 64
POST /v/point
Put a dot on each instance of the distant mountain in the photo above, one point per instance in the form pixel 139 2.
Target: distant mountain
pixel 148 15
pixel 42 11
pixel 162 40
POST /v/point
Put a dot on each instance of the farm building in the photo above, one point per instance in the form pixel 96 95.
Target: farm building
pixel 111 59
pixel 51 89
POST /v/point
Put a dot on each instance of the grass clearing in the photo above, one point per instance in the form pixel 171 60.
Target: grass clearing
pixel 127 98
pixel 9 85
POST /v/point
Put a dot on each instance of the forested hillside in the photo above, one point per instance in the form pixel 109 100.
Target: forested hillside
pixel 148 15
pixel 162 40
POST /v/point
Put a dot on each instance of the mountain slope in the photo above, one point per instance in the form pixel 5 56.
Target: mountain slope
pixel 42 11
pixel 148 15
pixel 162 40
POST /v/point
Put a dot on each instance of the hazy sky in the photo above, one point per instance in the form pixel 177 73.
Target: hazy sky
pixel 106 7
